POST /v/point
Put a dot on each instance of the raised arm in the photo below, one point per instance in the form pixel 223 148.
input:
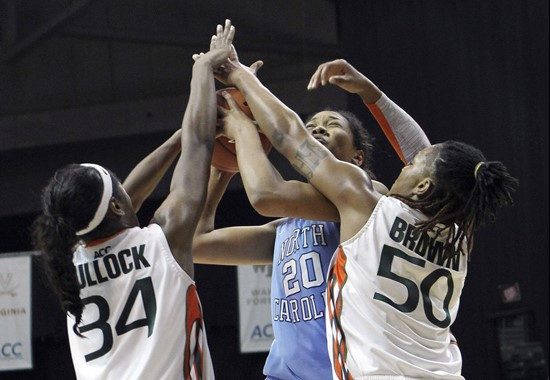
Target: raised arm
pixel 217 185
pixel 179 213
pixel 401 130
pixel 146 175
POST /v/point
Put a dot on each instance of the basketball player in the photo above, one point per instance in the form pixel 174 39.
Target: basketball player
pixel 395 281
pixel 299 247
pixel 133 310
pixel 273 196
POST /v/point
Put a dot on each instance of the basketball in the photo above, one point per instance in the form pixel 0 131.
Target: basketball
pixel 224 156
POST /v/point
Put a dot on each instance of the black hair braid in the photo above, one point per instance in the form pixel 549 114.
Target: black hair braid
pixel 56 240
pixel 495 187
pixel 464 198
pixel 69 201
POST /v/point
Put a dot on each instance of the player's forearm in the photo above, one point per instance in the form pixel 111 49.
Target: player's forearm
pixel 241 245
pixel 217 184
pixel 369 92
pixel 200 114
pixel 260 179
pixel 198 131
pixel 278 122
pixel 146 175
pixel 401 130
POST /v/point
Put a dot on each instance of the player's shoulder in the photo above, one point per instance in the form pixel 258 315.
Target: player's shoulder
pixel 277 223
pixel 380 187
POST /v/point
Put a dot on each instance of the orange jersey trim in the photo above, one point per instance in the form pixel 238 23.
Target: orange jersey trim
pixel 193 356
pixel 336 281
pixel 383 122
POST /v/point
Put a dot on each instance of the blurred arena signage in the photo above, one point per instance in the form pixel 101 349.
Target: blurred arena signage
pixel 256 332
pixel 15 311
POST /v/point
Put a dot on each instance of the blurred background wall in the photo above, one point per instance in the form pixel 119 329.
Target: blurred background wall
pixel 107 81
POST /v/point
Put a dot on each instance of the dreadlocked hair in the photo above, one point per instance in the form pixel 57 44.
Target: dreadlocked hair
pixel 468 192
pixel 69 202
pixel 362 139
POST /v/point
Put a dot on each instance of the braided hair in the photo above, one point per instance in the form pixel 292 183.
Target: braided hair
pixel 69 202
pixel 468 192
pixel 362 139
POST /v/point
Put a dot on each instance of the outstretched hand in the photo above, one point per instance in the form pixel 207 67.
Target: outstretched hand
pixel 338 72
pixel 220 46
pixel 233 117
pixel 232 66
pixel 222 72
pixel 342 74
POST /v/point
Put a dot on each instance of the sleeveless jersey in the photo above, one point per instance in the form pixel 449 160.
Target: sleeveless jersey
pixel 391 299
pixel 302 253
pixel 142 317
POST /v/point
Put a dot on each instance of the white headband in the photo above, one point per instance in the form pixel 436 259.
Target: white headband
pixel 105 198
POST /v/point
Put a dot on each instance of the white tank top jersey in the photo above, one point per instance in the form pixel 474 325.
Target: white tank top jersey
pixel 142 317
pixel 391 300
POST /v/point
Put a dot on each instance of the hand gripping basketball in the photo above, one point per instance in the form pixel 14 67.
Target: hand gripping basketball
pixel 224 156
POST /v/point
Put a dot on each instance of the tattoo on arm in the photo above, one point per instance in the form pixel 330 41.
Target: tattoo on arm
pixel 309 157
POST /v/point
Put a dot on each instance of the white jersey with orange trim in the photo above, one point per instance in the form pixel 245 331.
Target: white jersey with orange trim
pixel 391 300
pixel 142 317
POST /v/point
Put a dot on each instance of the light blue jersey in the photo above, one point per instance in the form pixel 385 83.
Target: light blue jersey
pixel 302 253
